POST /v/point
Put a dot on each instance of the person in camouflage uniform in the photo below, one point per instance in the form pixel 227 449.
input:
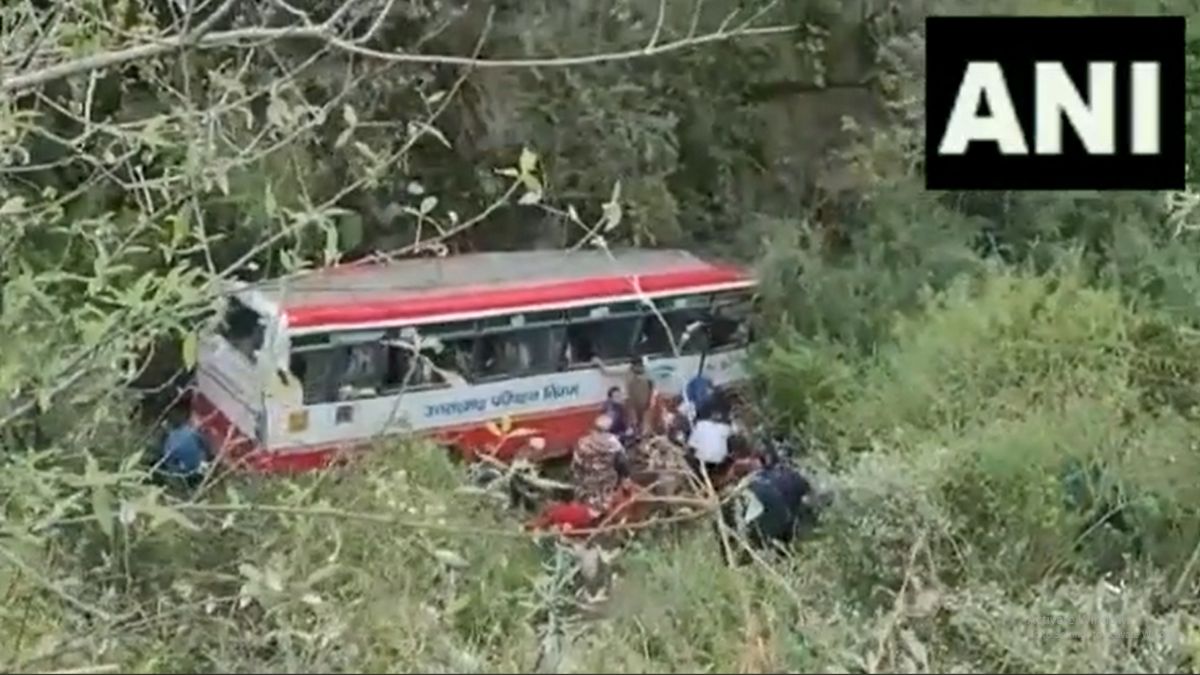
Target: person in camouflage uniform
pixel 594 466
pixel 659 462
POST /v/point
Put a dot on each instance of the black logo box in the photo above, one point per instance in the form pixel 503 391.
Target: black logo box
pixel 1017 43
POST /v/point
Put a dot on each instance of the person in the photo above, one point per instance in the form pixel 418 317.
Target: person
pixel 709 442
pixel 657 462
pixel 716 404
pixel 614 408
pixel 660 417
pixel 778 503
pixel 698 391
pixel 639 389
pixel 594 466
pixel 183 452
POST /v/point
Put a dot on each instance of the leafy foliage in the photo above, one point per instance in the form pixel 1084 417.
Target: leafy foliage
pixel 945 359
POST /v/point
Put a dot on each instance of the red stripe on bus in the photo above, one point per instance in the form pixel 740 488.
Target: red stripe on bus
pixel 491 298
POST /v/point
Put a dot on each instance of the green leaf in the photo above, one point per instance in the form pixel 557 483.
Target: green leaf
pixel 160 514
pixel 277 111
pixel 428 204
pixel 350 231
pixel 270 204
pixel 102 507
pixel 531 183
pixel 528 161
pixel 189 350
pixel 450 558
pixel 331 244
pixel 322 574
pixel 612 209
pixel 180 228
pixel 12 205
pixel 349 115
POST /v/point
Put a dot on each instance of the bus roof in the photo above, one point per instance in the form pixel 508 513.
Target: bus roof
pixel 421 290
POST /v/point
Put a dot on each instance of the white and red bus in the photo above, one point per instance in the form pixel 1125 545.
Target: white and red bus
pixel 304 369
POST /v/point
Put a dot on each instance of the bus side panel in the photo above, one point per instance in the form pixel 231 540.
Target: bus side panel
pixel 442 409
pixel 225 381
pixel 558 407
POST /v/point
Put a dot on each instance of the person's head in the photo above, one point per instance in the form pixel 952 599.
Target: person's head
pixel 616 395
pixel 636 364
pixel 717 413
pixel 602 423
pixel 739 446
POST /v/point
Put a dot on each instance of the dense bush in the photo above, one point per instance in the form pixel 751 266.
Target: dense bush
pixel 980 378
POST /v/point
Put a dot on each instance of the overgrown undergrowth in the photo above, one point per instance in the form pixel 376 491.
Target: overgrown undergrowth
pixel 953 544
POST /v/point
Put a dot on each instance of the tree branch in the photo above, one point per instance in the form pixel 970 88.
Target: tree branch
pixel 198 39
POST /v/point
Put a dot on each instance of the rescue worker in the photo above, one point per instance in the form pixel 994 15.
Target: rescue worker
pixel 697 392
pixel 184 451
pixel 594 466
pixel 779 503
pixel 708 443
pixel 657 462
pixel 639 389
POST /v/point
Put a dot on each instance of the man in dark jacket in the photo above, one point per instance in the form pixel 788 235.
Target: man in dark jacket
pixel 779 501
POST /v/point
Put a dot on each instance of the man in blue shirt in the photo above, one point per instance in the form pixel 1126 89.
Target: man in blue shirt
pixel 698 392
pixel 184 451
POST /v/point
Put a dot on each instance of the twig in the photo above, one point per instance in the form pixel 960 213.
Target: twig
pixel 1186 573
pixel 52 587
pixel 897 607
pixel 662 13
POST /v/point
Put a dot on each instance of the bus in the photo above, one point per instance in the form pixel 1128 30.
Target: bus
pixel 299 371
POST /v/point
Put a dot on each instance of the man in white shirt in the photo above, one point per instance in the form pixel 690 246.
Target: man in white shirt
pixel 709 441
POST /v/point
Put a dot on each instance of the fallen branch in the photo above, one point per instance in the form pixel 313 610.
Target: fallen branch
pixel 889 626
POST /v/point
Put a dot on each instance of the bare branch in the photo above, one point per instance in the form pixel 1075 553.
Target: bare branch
pixel 662 14
pixel 374 28
pixel 200 40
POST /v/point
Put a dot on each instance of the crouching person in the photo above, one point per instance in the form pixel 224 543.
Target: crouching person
pixel 184 452
pixel 777 503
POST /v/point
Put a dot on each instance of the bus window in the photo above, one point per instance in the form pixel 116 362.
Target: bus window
pixel 579 349
pixel 317 371
pixel 327 373
pixel 455 361
pixel 366 366
pixel 441 362
pixel 691 331
pixel 612 339
pixel 653 338
pixel 730 323
pixel 522 352
pixel 243 328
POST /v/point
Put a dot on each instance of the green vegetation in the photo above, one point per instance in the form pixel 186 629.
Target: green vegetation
pixel 946 358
